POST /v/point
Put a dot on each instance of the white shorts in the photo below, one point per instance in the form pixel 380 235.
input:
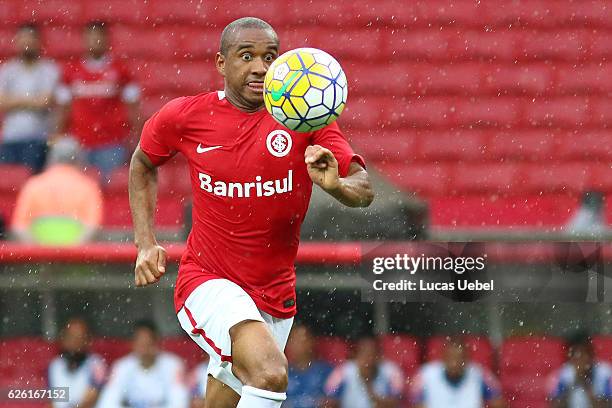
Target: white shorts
pixel 209 313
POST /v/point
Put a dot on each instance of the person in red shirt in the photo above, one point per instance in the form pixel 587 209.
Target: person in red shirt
pixel 99 102
pixel 251 180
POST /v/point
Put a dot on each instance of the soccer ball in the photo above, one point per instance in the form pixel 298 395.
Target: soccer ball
pixel 305 89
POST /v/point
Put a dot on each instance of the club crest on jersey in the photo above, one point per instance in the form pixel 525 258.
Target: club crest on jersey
pixel 279 143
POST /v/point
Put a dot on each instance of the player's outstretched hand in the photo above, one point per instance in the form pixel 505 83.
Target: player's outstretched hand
pixel 322 167
pixel 150 265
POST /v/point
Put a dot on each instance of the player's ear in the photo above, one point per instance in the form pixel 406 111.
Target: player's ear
pixel 220 63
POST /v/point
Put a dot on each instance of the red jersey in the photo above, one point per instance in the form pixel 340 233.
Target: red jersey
pixel 251 191
pixel 98 115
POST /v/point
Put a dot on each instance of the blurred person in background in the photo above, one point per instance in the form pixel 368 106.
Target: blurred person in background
pixel 99 102
pixel 199 378
pixel 306 375
pixel 582 382
pixel 368 381
pixel 60 206
pixel 455 382
pixel 147 377
pixel 76 368
pixel 27 83
pixel 589 219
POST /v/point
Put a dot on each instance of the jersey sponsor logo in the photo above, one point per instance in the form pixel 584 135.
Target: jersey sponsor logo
pixel 279 143
pixel 258 188
pixel 201 149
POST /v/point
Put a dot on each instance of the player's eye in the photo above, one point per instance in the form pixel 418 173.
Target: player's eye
pixel 247 56
pixel 269 58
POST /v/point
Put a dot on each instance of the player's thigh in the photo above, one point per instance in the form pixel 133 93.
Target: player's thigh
pixel 255 351
pixel 219 395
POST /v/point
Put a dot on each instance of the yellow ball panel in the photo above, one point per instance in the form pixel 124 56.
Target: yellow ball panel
pixel 301 87
pixel 307 59
pixel 300 105
pixel 319 82
pixel 294 63
pixel 288 110
pixel 321 69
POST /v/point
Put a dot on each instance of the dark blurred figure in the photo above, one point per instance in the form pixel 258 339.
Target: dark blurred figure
pixel 76 368
pixel 100 102
pixel 27 84
pixel 582 382
pixel 589 218
pixel 307 376
pixel 60 206
pixel 455 382
pixel 147 377
pixel 367 381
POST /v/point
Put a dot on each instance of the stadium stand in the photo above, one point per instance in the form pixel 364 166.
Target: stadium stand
pixel 488 96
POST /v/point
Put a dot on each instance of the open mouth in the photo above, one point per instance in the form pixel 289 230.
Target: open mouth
pixel 256 86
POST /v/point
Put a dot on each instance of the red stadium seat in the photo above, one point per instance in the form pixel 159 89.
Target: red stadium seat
pixel 561 44
pixel 403 350
pixel 63 42
pixel 57 12
pixel 530 79
pixel 117 11
pixel 487 112
pixel 153 44
pixel 539 211
pixel 521 145
pixel 601 44
pixel 484 178
pixel 334 350
pixel 28 359
pixel 426 179
pixel 590 78
pixel 111 348
pixel 177 11
pixel 487 44
pixel 431 43
pixel 531 354
pixel 585 145
pixel 360 115
pixel 396 78
pixel 117 211
pixel 7 47
pixel 461 145
pixel 602 112
pixel 118 181
pixel 185 348
pixel 601 178
pixel 479 349
pixel 454 78
pixel 568 178
pixel 603 348
pixel 571 112
pixel 420 112
pixel 383 146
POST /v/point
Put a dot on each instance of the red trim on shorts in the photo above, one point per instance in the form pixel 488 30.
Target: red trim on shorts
pixel 203 334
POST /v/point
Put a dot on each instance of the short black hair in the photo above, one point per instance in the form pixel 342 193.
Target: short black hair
pixel 97 25
pixel 147 324
pixel 29 26
pixel 236 25
pixel 580 339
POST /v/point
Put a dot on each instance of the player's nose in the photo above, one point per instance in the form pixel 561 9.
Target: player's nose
pixel 259 67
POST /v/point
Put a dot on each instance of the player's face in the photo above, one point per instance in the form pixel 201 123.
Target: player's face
pixel 27 44
pixel 454 361
pixel 96 42
pixel 75 338
pixel 582 359
pixel 244 67
pixel 145 344
pixel 367 354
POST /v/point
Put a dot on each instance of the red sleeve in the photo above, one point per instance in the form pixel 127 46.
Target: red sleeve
pixel 332 138
pixel 161 132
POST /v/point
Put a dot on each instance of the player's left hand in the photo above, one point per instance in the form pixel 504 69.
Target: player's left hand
pixel 322 167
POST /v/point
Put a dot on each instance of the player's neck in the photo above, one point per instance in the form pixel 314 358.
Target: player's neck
pixel 240 103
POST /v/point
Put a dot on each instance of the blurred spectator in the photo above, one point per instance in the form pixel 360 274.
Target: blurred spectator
pixel 99 101
pixel 61 206
pixel 199 378
pixel 306 375
pixel 589 219
pixel 582 382
pixel 365 382
pixel 76 368
pixel 147 377
pixel 455 382
pixel 27 83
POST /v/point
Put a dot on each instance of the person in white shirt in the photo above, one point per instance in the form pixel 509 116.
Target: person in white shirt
pixel 147 377
pixel 582 382
pixel 365 382
pixel 27 84
pixel 76 368
pixel 197 384
pixel 455 382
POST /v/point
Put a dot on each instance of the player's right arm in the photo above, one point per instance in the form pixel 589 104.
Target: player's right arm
pixel 151 260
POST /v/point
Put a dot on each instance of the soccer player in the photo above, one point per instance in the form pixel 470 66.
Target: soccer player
pixel 235 293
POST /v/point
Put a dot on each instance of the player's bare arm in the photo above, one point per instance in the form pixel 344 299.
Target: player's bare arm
pixel 354 190
pixel 151 261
